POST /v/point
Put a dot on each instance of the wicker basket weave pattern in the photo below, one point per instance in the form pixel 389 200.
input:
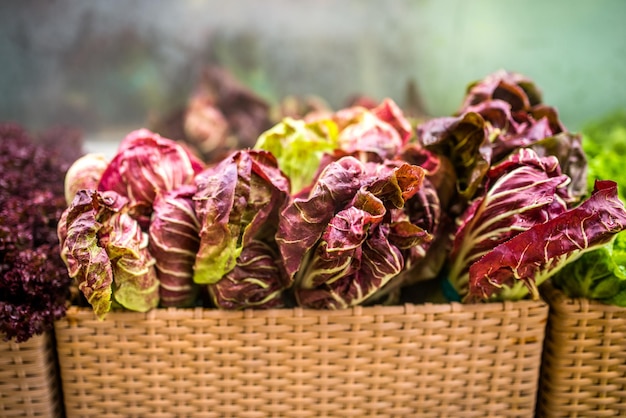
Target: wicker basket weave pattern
pixel 412 360
pixel 584 366
pixel 28 378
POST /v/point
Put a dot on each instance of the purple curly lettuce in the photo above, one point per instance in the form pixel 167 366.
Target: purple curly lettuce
pixel 34 284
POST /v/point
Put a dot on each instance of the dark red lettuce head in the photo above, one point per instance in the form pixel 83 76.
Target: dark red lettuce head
pixel 238 202
pixel 342 243
pixel 106 253
pixel 523 191
pixel 375 134
pixel 516 89
pixel 501 114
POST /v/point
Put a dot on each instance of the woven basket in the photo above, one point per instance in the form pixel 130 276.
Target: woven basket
pixel 584 365
pixel 29 381
pixel 411 360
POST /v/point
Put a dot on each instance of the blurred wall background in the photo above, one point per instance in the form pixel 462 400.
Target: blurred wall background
pixel 106 65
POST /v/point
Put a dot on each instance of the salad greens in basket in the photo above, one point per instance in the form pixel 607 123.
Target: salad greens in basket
pixel 338 208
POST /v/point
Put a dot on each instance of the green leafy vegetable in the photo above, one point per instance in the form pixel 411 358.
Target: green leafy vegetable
pixel 604 142
pixel 599 274
pixel 299 147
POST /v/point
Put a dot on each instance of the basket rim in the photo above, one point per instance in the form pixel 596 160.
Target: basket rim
pixel 79 312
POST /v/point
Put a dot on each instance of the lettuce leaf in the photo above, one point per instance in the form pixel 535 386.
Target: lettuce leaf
pixel 299 147
pixel 518 266
pixel 514 88
pixel 375 134
pixel 599 274
pixel 256 281
pixel 147 164
pixel 464 140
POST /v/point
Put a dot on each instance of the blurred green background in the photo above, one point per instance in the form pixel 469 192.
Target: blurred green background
pixel 106 66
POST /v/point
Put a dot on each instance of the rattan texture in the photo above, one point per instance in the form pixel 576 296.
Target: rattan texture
pixel 584 366
pixel 432 360
pixel 29 384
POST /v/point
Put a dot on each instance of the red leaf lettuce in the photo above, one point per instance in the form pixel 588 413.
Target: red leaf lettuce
pixel 238 202
pixel 107 254
pixel 342 242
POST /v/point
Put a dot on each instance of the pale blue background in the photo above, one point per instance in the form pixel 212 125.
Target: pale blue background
pixel 108 65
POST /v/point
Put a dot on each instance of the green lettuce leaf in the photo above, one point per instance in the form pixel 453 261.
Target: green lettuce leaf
pixel 604 142
pixel 299 147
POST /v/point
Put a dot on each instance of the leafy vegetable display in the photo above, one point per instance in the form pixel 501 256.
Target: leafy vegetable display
pixel 34 283
pixel 517 170
pixel 333 209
